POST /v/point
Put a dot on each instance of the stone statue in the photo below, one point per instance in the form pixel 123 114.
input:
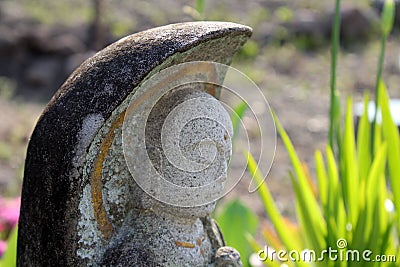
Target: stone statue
pixel 127 160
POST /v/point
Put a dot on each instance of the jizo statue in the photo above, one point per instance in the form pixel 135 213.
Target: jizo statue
pixel 127 160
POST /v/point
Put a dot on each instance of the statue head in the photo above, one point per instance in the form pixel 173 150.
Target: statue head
pixel 188 140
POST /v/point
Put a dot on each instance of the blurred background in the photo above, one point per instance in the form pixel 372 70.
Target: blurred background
pixel 288 56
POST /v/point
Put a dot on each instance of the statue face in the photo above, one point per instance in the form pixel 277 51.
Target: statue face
pixel 188 139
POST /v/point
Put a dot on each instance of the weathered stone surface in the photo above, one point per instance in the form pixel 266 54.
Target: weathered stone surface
pixel 227 257
pixel 85 110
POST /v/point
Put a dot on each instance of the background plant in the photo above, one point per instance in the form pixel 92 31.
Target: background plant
pixel 351 199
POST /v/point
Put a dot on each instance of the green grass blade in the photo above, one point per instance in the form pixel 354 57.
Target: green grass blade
pixel 269 205
pixel 304 194
pixel 300 174
pixel 376 173
pixel 334 113
pixel 367 225
pixel 10 255
pixel 256 248
pixel 391 134
pixel 336 215
pixel 253 243
pixel 322 178
pixel 362 229
pixel 387 20
pixel 200 4
pixel 364 141
pixel 271 209
pixel 388 246
pixel 350 181
pixel 315 239
pixel 386 25
pixel 236 117
pixel 385 219
pixel 379 239
pixel 375 231
pixel 377 136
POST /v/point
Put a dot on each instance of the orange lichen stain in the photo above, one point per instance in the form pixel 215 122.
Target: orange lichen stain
pixel 211 89
pixel 199 241
pixel 184 244
pixel 100 213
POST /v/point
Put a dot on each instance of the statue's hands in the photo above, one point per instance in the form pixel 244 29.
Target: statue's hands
pixel 227 257
pixel 224 256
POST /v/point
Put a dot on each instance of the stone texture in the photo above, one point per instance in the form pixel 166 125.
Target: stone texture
pixel 58 150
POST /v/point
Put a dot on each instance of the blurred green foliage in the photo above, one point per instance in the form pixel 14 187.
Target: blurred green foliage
pixel 248 52
pixel 7 87
pixel 284 14
pixel 5 151
pixel 59 12
pixel 237 221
